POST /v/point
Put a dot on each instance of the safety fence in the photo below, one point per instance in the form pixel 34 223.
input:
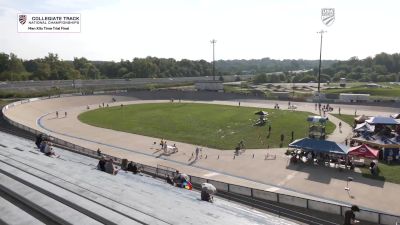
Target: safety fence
pixel 253 193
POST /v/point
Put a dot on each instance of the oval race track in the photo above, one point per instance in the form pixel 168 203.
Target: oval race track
pixel 313 184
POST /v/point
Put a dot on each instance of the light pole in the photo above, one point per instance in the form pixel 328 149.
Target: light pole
pixel 213 41
pixel 293 75
pixel 319 67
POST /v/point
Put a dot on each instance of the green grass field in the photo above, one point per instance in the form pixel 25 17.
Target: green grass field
pixel 349 119
pixel 215 126
pixel 387 172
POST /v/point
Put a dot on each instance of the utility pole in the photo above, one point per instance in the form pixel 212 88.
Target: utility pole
pixel 319 67
pixel 213 41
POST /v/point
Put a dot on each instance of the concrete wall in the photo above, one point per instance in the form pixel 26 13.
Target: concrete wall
pixel 240 190
pixel 221 186
pixel 197 180
pixel 389 220
pixel 265 195
pixel 368 216
pixel 324 207
pixel 291 200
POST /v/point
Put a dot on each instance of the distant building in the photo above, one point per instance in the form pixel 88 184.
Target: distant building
pixel 373 85
pixel 209 85
pixel 342 82
pixel 344 97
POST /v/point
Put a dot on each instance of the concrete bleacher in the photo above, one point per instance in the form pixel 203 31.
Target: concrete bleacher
pixel 36 189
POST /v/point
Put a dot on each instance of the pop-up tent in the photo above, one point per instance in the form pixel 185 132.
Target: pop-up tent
pixel 317 119
pixel 364 151
pixel 261 113
pixel 382 120
pixel 361 119
pixel 364 127
pixel 316 145
pixel 395 116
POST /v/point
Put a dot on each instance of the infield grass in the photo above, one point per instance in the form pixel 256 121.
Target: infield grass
pixel 210 125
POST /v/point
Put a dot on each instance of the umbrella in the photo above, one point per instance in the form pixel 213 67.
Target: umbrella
pixel 261 113
pixel 209 188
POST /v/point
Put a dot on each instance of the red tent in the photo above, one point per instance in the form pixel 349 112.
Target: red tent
pixel 364 151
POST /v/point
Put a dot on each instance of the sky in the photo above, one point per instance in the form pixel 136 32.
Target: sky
pixel 244 29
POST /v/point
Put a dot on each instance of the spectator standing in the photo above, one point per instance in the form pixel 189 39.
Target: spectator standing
pixel 372 167
pixel 350 217
pixel 101 164
pixel 197 152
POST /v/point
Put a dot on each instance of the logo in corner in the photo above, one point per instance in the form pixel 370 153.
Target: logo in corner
pixel 328 16
pixel 22 19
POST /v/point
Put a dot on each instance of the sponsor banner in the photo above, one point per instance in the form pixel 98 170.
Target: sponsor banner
pixel 49 22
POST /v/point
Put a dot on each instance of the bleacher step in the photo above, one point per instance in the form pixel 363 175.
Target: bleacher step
pixel 13 215
pixel 53 209
pixel 66 197
pixel 84 190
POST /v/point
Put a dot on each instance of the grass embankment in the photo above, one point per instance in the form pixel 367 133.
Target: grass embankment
pixel 385 91
pixel 215 126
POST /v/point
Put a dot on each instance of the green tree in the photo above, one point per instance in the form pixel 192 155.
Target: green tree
pixel 43 71
pixel 4 62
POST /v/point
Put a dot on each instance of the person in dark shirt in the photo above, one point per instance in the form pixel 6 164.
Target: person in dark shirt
pixel 372 167
pixel 133 168
pixel 169 180
pixel 206 196
pixel 101 165
pixel 350 217
pixel 39 140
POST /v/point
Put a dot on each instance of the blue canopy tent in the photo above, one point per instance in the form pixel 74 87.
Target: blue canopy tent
pixel 309 144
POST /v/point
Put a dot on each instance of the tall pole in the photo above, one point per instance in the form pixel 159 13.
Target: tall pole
pixel 213 41
pixel 319 67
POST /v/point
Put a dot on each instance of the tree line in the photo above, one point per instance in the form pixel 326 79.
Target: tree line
pixel 382 67
pixel 52 68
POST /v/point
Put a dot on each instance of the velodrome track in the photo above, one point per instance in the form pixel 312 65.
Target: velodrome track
pixel 272 175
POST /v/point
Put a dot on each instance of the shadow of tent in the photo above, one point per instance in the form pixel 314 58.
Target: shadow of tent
pixel 324 174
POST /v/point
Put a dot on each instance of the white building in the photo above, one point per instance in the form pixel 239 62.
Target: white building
pixel 344 97
pixel 209 85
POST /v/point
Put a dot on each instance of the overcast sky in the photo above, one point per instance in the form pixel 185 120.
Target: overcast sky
pixel 244 29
